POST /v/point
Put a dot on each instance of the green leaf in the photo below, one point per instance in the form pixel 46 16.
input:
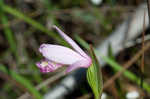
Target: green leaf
pixel 94 76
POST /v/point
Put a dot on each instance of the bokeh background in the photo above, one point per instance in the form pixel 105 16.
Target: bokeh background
pixel 26 24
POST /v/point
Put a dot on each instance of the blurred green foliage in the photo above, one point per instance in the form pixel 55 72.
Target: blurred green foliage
pixel 79 17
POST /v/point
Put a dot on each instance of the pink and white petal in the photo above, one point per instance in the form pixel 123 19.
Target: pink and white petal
pixel 78 64
pixel 71 42
pixel 47 66
pixel 44 69
pixel 54 65
pixel 59 54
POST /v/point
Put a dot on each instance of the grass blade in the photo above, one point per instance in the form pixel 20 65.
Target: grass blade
pixel 32 22
pixel 8 33
pixel 20 79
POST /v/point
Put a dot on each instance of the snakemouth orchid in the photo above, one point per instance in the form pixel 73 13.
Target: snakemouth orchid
pixel 56 56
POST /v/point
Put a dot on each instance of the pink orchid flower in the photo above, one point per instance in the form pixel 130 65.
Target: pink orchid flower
pixel 57 56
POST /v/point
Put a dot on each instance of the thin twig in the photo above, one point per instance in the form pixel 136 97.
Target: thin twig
pixel 148 6
pixel 143 44
pixel 137 41
pixel 44 83
pixel 127 65
pixel 142 58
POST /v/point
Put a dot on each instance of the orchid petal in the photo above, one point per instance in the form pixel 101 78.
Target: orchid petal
pixel 78 64
pixel 59 54
pixel 47 66
pixel 71 42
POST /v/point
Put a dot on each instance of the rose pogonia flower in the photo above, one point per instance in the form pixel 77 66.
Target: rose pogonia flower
pixel 57 56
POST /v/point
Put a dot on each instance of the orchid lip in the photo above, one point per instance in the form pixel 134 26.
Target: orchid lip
pixel 47 66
